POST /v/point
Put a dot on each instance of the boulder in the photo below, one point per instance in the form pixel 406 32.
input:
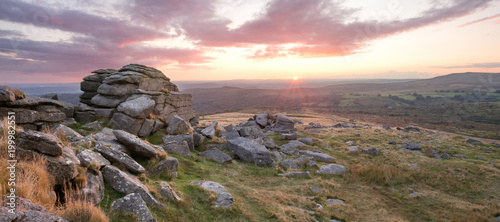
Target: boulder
pixel 353 148
pixel 89 157
pixel 127 123
pixel 230 135
pixel 289 136
pixel 133 203
pixel 177 125
pixel 291 147
pixel 210 130
pixel 138 108
pixel 284 123
pixel 117 89
pixel 295 174
pixel 147 128
pixel 167 191
pixel 67 132
pixel 168 166
pixel 332 169
pixel 413 146
pixel 250 151
pixel 119 157
pixel 135 144
pixel 264 119
pixel 251 132
pixel 224 198
pixel 42 142
pixel 217 155
pixel 289 164
pixel 7 94
pixel 307 141
pixel 331 202
pixel 126 183
pixel 50 96
pixel 63 167
pixel 269 143
pixel 189 138
pixel 106 134
pixel 198 139
pixel 181 148
pixel 371 151
pixel 107 101
pixel 93 191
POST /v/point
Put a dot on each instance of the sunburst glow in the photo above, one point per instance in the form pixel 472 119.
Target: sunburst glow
pixel 295 78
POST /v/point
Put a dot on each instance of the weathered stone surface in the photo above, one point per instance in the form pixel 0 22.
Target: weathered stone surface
pixel 42 142
pixel 295 174
pixel 63 167
pixel 88 157
pixel 291 147
pixel 210 130
pixel 50 96
pixel 23 116
pixel 118 156
pixel 93 191
pixel 413 146
pixel 148 71
pixel 89 86
pixel 133 203
pixel 353 148
pixel 26 211
pixel 307 141
pixel 230 135
pixel 135 144
pixel 94 126
pixel 87 95
pixel 198 139
pixel 168 166
pixel 289 136
pixel 371 151
pixel 106 134
pixel 117 89
pixel 217 155
pixel 269 143
pixel 177 125
pixel 34 101
pixel 107 101
pixel 167 191
pixel 85 116
pixel 332 169
pixel 67 132
pixel 332 202
pixel 250 151
pixel 126 183
pixel 126 123
pixel 68 109
pixel 251 132
pixel 146 128
pixel 105 112
pixel 125 77
pixel 189 138
pixel 137 108
pixel 181 148
pixel 6 94
pixel 224 198
pixel 289 164
pixel 284 123
pixel 263 119
pixel 318 156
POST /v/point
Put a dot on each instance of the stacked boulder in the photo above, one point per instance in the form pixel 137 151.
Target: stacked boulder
pixel 33 112
pixel 278 123
pixel 136 98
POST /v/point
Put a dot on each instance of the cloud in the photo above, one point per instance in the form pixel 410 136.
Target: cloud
pixel 474 65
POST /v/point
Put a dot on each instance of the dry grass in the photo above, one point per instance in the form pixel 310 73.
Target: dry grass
pixel 77 209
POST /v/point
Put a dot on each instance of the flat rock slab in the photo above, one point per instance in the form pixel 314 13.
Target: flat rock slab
pixel 295 174
pixel 88 157
pixel 332 202
pixel 135 144
pixel 189 138
pixel 224 199
pixel 250 151
pixel 318 156
pixel 307 140
pixel 217 155
pixel 133 203
pixel 42 142
pixel 181 148
pixel 137 108
pixel 118 156
pixel 67 132
pixel 332 169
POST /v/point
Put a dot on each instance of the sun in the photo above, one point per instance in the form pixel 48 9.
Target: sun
pixel 295 78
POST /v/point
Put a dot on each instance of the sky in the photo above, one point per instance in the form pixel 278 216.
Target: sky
pixel 52 41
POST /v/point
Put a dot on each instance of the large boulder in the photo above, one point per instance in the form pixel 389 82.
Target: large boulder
pixel 250 151
pixel 67 132
pixel 138 108
pixel 135 144
pixel 168 166
pixel 189 138
pixel 216 155
pixel 181 148
pixel 210 130
pixel 126 183
pixel 224 198
pixel 89 157
pixel 26 211
pixel 133 203
pixel 251 132
pixel 119 157
pixel 264 119
pixel 63 167
pixel 177 126
pixel 42 142
pixel 168 192
pixel 284 123
pixel 7 94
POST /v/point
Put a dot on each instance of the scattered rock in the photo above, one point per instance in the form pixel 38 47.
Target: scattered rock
pixel 318 156
pixel 473 141
pixel 371 151
pixel 168 166
pixel 198 139
pixel 269 143
pixel 26 211
pixel 181 148
pixel 445 156
pixel 392 142
pixel 167 191
pixel 224 199
pixel 332 169
pixel 291 147
pixel 289 164
pixel 94 126
pixel 133 203
pixel 315 189
pixel 413 146
pixel 210 130
pixel 126 183
pixel 119 157
pixel 67 132
pixel 93 191
pixel 189 138
pixel 412 128
pixel 460 155
pixel 135 144
pixel 250 151
pixel 177 126
pixel 88 157
pixel 217 155
pixel 284 123
pixel 230 135
pixel 307 140
pixel 288 136
pixel 353 148
pixel 332 202
pixel 295 174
